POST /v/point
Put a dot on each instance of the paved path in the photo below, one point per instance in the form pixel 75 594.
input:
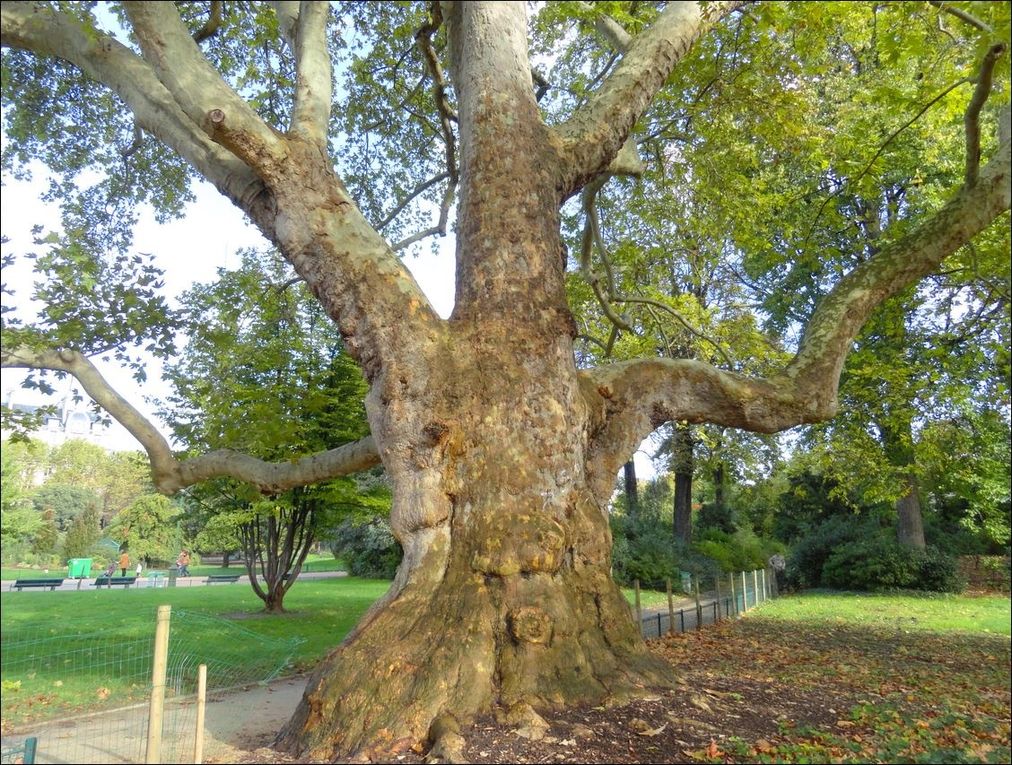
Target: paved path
pixel 88 585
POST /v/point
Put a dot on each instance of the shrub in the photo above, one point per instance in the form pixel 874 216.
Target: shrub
pixel 368 549
pixel 879 563
pixel 810 553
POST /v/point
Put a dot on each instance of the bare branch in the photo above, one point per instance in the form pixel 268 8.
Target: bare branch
pixel 971 119
pixel 419 189
pixel 169 474
pixel 962 15
pixel 313 84
pixel 592 236
pixel 212 25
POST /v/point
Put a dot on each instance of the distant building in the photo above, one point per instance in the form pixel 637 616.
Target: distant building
pixel 70 420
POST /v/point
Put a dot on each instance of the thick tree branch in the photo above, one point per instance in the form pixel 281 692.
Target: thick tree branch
pixel 632 398
pixel 199 89
pixel 962 15
pixel 419 189
pixel 971 118
pixel 212 25
pixel 101 57
pixel 592 137
pixel 169 474
pixel 313 84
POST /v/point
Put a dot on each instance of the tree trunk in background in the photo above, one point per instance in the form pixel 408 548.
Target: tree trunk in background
pixel 631 489
pixel 898 441
pixel 720 485
pixel 683 465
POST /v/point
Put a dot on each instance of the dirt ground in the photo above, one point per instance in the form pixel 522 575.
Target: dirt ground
pixel 687 724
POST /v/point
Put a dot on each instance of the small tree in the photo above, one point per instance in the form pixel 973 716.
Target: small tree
pixel 83 534
pixel 149 528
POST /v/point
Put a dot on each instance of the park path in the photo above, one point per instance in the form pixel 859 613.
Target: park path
pixel 88 585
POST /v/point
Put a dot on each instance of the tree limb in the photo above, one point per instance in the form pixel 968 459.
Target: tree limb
pixel 592 137
pixel 106 60
pixel 169 474
pixel 419 189
pixel 313 83
pixel 971 118
pixel 631 399
pixel 199 89
pixel 962 15
pixel 212 25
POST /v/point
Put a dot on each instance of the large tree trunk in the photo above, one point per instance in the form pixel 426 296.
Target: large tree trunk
pixel 683 465
pixel 504 598
pixel 898 440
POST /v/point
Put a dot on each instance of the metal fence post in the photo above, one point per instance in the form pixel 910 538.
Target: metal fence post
pixel 153 753
pixel 671 611
pixel 699 608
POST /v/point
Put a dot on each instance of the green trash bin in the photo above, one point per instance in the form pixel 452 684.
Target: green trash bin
pixel 79 568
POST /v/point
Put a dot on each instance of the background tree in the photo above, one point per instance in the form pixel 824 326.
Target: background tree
pixel 257 342
pixel 501 452
pixel 149 529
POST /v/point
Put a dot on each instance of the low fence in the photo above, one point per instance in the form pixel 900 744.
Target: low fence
pixel 91 697
pixel 703 600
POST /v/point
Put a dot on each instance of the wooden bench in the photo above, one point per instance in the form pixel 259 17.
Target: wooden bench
pixel 22 753
pixel 223 578
pixel 52 584
pixel 118 581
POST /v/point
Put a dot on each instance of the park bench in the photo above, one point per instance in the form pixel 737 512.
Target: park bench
pixel 223 578
pixel 52 584
pixel 22 753
pixel 120 581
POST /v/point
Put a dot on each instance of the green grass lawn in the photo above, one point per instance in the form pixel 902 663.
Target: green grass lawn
pixel 908 611
pixel 66 652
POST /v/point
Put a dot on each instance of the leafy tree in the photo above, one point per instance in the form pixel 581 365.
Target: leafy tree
pixel 83 535
pixel 149 529
pixel 19 522
pixel 257 342
pixel 501 451
pixel 66 502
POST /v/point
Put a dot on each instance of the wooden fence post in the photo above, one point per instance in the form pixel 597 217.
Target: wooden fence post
pixel 639 611
pixel 716 582
pixel 734 595
pixel 744 592
pixel 153 753
pixel 198 740
pixel 755 585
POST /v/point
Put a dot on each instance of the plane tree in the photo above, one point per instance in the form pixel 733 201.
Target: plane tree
pixel 501 453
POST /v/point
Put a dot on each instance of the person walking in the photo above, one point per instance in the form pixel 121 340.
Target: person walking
pixel 124 562
pixel 183 563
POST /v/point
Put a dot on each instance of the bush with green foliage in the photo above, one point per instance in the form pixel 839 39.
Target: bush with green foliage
pixel 738 551
pixel 880 563
pixel 810 552
pixel 368 549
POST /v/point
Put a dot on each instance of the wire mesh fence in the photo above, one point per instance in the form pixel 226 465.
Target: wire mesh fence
pixel 701 600
pixel 86 697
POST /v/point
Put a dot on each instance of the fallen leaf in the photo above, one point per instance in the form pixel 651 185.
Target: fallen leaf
pixel 653 731
pixel 103 693
pixel 844 724
pixel 713 751
pixel 700 703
